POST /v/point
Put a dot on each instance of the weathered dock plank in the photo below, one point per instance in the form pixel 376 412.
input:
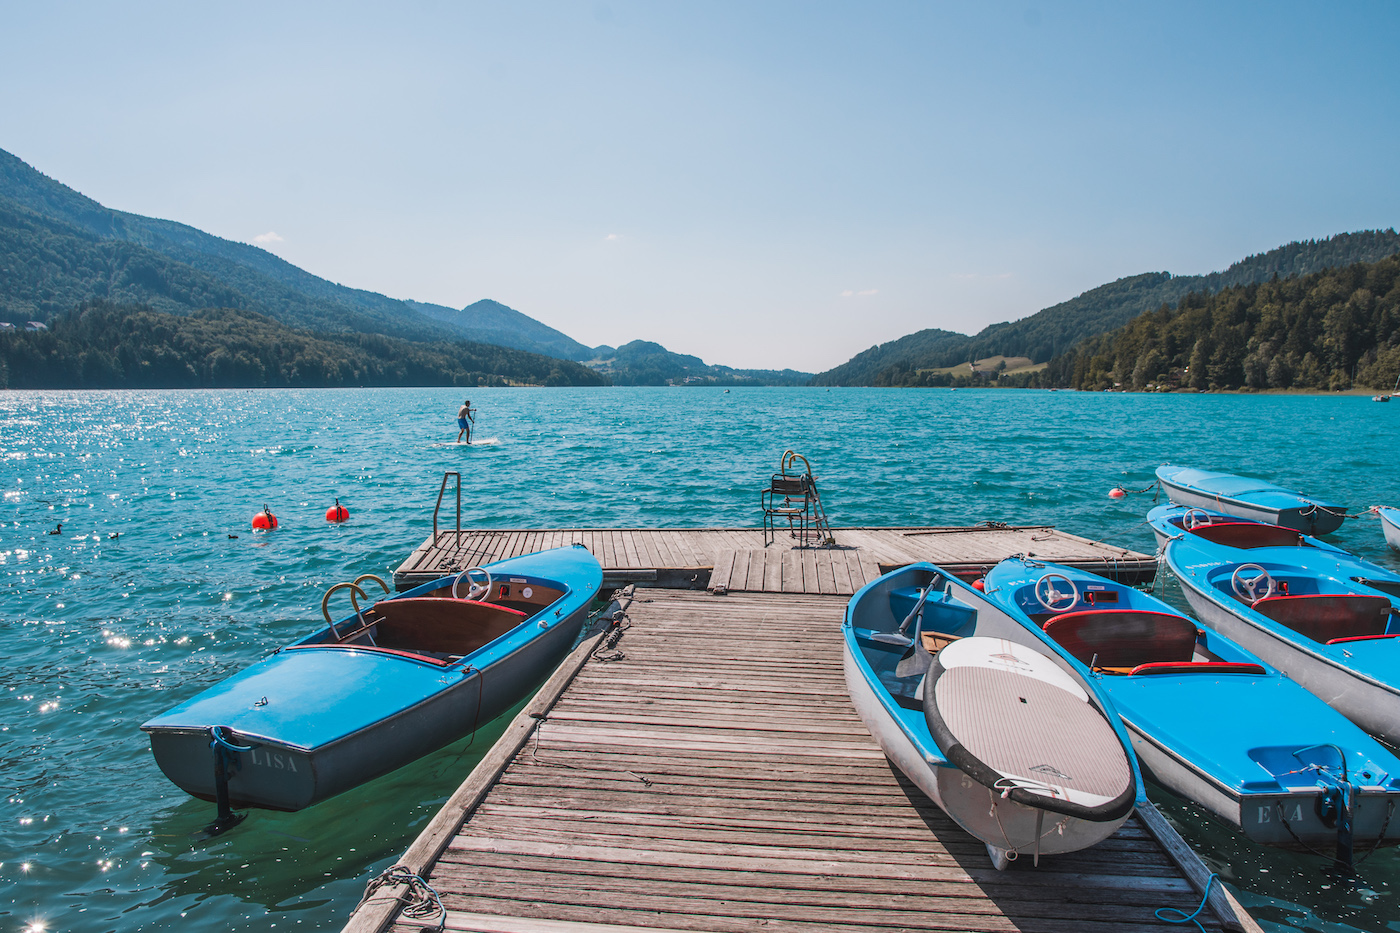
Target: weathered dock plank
pixel 736 560
pixel 716 778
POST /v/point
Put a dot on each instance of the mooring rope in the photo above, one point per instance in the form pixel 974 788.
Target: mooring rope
pixel 607 649
pixel 1160 912
pixel 420 902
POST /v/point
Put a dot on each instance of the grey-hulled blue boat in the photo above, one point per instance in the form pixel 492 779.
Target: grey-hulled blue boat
pixel 999 729
pixel 1326 619
pixel 1245 497
pixel 380 688
pixel 1211 722
pixel 1174 521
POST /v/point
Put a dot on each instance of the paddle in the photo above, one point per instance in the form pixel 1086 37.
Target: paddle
pixel 916 659
pixel 898 636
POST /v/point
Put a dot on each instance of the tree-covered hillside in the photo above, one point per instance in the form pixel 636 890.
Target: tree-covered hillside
pixel 265 283
pixel 1056 329
pixel 246 276
pixel 643 363
pixel 103 345
pixel 1330 330
pixel 490 321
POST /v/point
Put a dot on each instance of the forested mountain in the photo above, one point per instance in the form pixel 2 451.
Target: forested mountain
pixel 490 321
pixel 1329 330
pixel 59 248
pixel 1056 329
pixel 261 281
pixel 643 363
pixel 103 345
pixel 243 276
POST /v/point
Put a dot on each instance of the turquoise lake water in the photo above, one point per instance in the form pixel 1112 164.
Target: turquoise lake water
pixel 98 634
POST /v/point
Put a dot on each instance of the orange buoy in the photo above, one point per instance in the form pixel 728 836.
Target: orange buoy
pixel 1117 492
pixel 980 584
pixel 265 520
pixel 337 513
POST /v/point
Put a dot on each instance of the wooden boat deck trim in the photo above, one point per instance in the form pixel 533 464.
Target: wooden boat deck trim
pixel 736 560
pixel 716 778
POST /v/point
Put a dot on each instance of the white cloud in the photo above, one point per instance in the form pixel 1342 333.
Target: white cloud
pixel 268 237
pixel 852 293
pixel 611 236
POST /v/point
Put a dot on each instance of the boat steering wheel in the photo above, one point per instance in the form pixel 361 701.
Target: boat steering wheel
pixel 1248 589
pixel 477 591
pixel 1053 598
pixel 1190 521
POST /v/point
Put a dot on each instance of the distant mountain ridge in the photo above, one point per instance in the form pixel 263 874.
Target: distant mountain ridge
pixel 1056 329
pixel 60 248
pixel 643 363
pixel 490 321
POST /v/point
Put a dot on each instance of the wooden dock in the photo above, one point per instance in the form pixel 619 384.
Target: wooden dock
pixel 716 778
pixel 736 560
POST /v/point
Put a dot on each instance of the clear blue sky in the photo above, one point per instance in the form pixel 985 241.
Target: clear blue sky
pixel 760 184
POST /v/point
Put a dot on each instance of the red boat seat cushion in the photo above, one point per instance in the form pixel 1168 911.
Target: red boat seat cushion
pixel 1124 637
pixel 440 625
pixel 1248 535
pixel 1329 615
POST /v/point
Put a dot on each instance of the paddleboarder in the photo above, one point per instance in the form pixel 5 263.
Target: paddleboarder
pixel 465 420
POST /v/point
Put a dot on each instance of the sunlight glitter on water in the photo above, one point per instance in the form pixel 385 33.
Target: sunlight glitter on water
pixel 188 594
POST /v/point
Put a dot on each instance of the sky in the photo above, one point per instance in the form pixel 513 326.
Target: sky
pixel 761 184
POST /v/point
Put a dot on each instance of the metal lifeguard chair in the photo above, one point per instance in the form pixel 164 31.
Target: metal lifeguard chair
pixel 792 496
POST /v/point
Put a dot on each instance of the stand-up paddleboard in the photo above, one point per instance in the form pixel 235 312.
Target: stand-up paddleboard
pixel 1039 754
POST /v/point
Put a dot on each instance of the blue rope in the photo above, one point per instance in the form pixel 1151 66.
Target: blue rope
pixel 1160 912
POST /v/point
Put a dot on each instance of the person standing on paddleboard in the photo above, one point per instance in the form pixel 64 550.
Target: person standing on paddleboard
pixel 465 420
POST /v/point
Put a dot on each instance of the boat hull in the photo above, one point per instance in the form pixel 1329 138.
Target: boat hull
pixel 1005 826
pixel 1256 500
pixel 1390 524
pixel 277 776
pixel 1002 825
pixel 1288 820
pixel 322 716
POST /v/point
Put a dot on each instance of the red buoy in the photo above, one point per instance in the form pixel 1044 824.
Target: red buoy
pixel 1117 492
pixel 265 520
pixel 980 584
pixel 337 513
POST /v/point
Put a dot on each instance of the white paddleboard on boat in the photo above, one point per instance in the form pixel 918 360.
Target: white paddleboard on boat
pixel 1037 756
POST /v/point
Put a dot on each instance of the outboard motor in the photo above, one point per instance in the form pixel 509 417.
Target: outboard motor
pixel 226 761
pixel 1334 808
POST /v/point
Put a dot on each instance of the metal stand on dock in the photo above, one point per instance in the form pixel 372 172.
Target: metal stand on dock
pixel 793 496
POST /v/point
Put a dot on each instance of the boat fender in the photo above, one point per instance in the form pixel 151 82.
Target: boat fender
pixel 337 513
pixel 980 584
pixel 265 520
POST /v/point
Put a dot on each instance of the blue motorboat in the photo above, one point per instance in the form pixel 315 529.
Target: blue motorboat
pixel 381 687
pixel 1245 497
pixel 989 718
pixel 1173 521
pixel 1176 521
pixel 1210 721
pixel 1327 620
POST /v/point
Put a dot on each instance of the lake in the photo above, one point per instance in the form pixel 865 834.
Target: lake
pixel 156 586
